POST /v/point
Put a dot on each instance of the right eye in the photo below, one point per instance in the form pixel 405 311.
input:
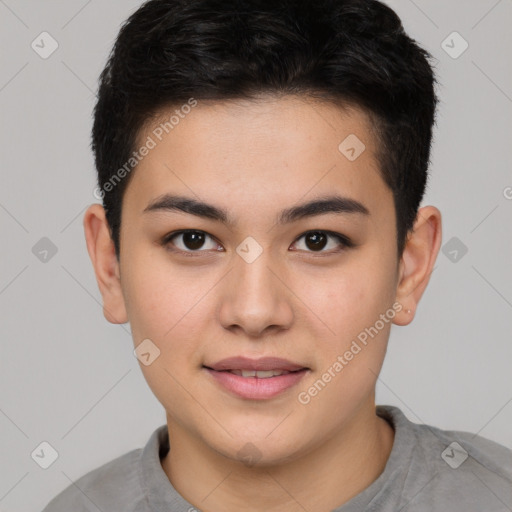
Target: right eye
pixel 189 241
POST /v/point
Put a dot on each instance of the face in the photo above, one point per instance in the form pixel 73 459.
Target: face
pixel 285 289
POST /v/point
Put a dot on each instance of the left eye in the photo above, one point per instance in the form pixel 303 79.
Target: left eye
pixel 316 241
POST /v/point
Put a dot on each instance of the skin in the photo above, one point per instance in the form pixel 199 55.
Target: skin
pixel 255 158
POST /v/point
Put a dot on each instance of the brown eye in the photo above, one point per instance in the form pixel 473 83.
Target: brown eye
pixel 190 241
pixel 317 241
pixel 193 240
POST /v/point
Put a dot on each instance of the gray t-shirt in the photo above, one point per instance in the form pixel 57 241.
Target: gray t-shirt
pixel 428 470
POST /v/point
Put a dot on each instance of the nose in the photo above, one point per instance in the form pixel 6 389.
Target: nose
pixel 255 298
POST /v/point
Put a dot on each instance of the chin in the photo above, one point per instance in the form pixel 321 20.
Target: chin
pixel 260 451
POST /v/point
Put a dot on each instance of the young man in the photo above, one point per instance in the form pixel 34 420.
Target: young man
pixel 261 166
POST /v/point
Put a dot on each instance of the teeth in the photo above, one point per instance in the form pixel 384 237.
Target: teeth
pixel 261 374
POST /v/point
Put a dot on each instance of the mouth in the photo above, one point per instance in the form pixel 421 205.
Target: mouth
pixel 256 379
pixel 261 374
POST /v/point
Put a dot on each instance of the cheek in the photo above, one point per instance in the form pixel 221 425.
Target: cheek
pixel 159 297
pixel 171 319
pixel 346 298
pixel 171 309
pixel 350 303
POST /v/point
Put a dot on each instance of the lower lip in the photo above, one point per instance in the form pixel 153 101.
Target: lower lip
pixel 253 388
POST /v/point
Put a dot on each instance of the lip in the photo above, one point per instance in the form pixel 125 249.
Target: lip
pixel 254 388
pixel 262 364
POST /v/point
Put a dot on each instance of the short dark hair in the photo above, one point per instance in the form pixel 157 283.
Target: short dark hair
pixel 350 52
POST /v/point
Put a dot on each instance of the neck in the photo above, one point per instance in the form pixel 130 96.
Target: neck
pixel 328 476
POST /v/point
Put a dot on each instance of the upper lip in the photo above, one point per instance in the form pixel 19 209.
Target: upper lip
pixel 262 364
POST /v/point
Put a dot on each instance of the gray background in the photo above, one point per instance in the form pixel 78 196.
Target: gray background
pixel 70 378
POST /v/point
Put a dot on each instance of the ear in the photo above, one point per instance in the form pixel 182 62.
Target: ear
pixel 106 266
pixel 417 262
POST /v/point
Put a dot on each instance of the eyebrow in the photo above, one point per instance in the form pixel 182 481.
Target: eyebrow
pixel 319 206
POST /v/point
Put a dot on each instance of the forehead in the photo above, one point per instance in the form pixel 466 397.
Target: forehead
pixel 259 153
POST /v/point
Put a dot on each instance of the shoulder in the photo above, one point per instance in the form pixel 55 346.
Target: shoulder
pixel 465 452
pixel 455 468
pixel 113 486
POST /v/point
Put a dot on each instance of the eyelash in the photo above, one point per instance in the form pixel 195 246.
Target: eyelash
pixel 344 241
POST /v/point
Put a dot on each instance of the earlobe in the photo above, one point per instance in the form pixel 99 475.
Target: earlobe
pixel 417 262
pixel 106 266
